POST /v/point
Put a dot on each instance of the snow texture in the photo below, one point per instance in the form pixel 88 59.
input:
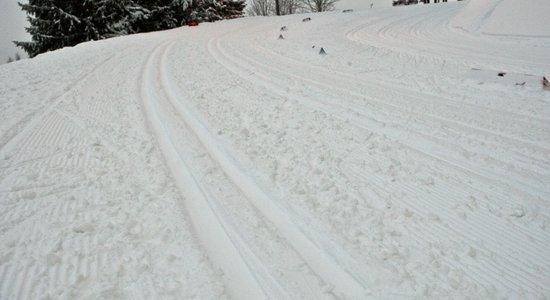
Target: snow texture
pixel 220 162
pixel 506 17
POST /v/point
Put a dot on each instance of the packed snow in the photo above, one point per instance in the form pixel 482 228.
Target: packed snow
pixel 506 17
pixel 221 161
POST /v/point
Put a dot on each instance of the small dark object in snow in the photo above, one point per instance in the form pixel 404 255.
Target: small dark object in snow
pixel 545 83
pixel 283 28
pixel 501 74
pixel 192 23
pixel 281 37
pixel 347 10
pixel 306 19
pixel 322 51
pixel 312 47
pixel 521 84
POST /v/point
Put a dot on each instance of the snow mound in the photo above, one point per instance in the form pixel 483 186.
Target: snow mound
pixel 505 17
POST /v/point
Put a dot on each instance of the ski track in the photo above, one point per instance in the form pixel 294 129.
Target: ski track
pixel 211 231
pixel 344 284
pixel 66 234
pixel 457 227
pixel 309 253
pixel 422 136
pixel 414 188
pixel 346 116
pixel 511 142
pixel 252 69
pixel 50 105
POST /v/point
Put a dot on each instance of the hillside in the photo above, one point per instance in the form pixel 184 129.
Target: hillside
pixel 505 17
pixel 219 161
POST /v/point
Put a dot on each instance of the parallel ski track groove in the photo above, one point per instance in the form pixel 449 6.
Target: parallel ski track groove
pixel 397 108
pixel 458 228
pixel 218 54
pixel 439 159
pixel 206 223
pixel 456 105
pixel 47 107
pixel 268 281
pixel 239 70
pixel 505 138
pixel 318 260
pixel 438 21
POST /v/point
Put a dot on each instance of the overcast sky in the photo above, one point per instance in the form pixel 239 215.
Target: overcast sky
pixel 12 27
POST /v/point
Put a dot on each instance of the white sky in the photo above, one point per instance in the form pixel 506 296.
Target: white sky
pixel 12 27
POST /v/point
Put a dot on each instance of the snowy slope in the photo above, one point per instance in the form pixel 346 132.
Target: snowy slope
pixel 506 17
pixel 221 162
pixel 361 5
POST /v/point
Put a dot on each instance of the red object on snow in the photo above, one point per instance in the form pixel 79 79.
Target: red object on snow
pixel 192 23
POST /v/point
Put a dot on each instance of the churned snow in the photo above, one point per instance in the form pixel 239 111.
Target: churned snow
pixel 219 161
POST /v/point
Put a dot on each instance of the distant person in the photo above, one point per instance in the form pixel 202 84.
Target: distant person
pixel 371 5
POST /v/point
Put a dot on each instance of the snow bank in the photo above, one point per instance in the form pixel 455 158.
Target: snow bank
pixel 505 17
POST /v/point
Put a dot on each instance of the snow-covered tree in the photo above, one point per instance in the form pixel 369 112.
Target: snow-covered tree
pixel 56 24
pixel 214 10
pixel 233 9
pixel 52 27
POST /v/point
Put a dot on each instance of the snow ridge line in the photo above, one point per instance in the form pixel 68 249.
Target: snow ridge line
pixel 33 123
pixel 321 262
pixel 239 279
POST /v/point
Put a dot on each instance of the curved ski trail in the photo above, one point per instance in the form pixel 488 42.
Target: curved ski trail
pixel 321 262
pixel 238 263
pixel 239 279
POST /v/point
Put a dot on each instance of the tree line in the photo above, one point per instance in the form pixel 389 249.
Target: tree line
pixel 55 24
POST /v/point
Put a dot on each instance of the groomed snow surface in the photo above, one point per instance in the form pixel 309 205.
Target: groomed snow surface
pixel 219 161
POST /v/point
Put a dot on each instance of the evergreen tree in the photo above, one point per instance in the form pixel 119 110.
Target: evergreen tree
pixel 59 23
pixel 214 10
pixel 233 9
pixel 56 24
pixel 51 27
